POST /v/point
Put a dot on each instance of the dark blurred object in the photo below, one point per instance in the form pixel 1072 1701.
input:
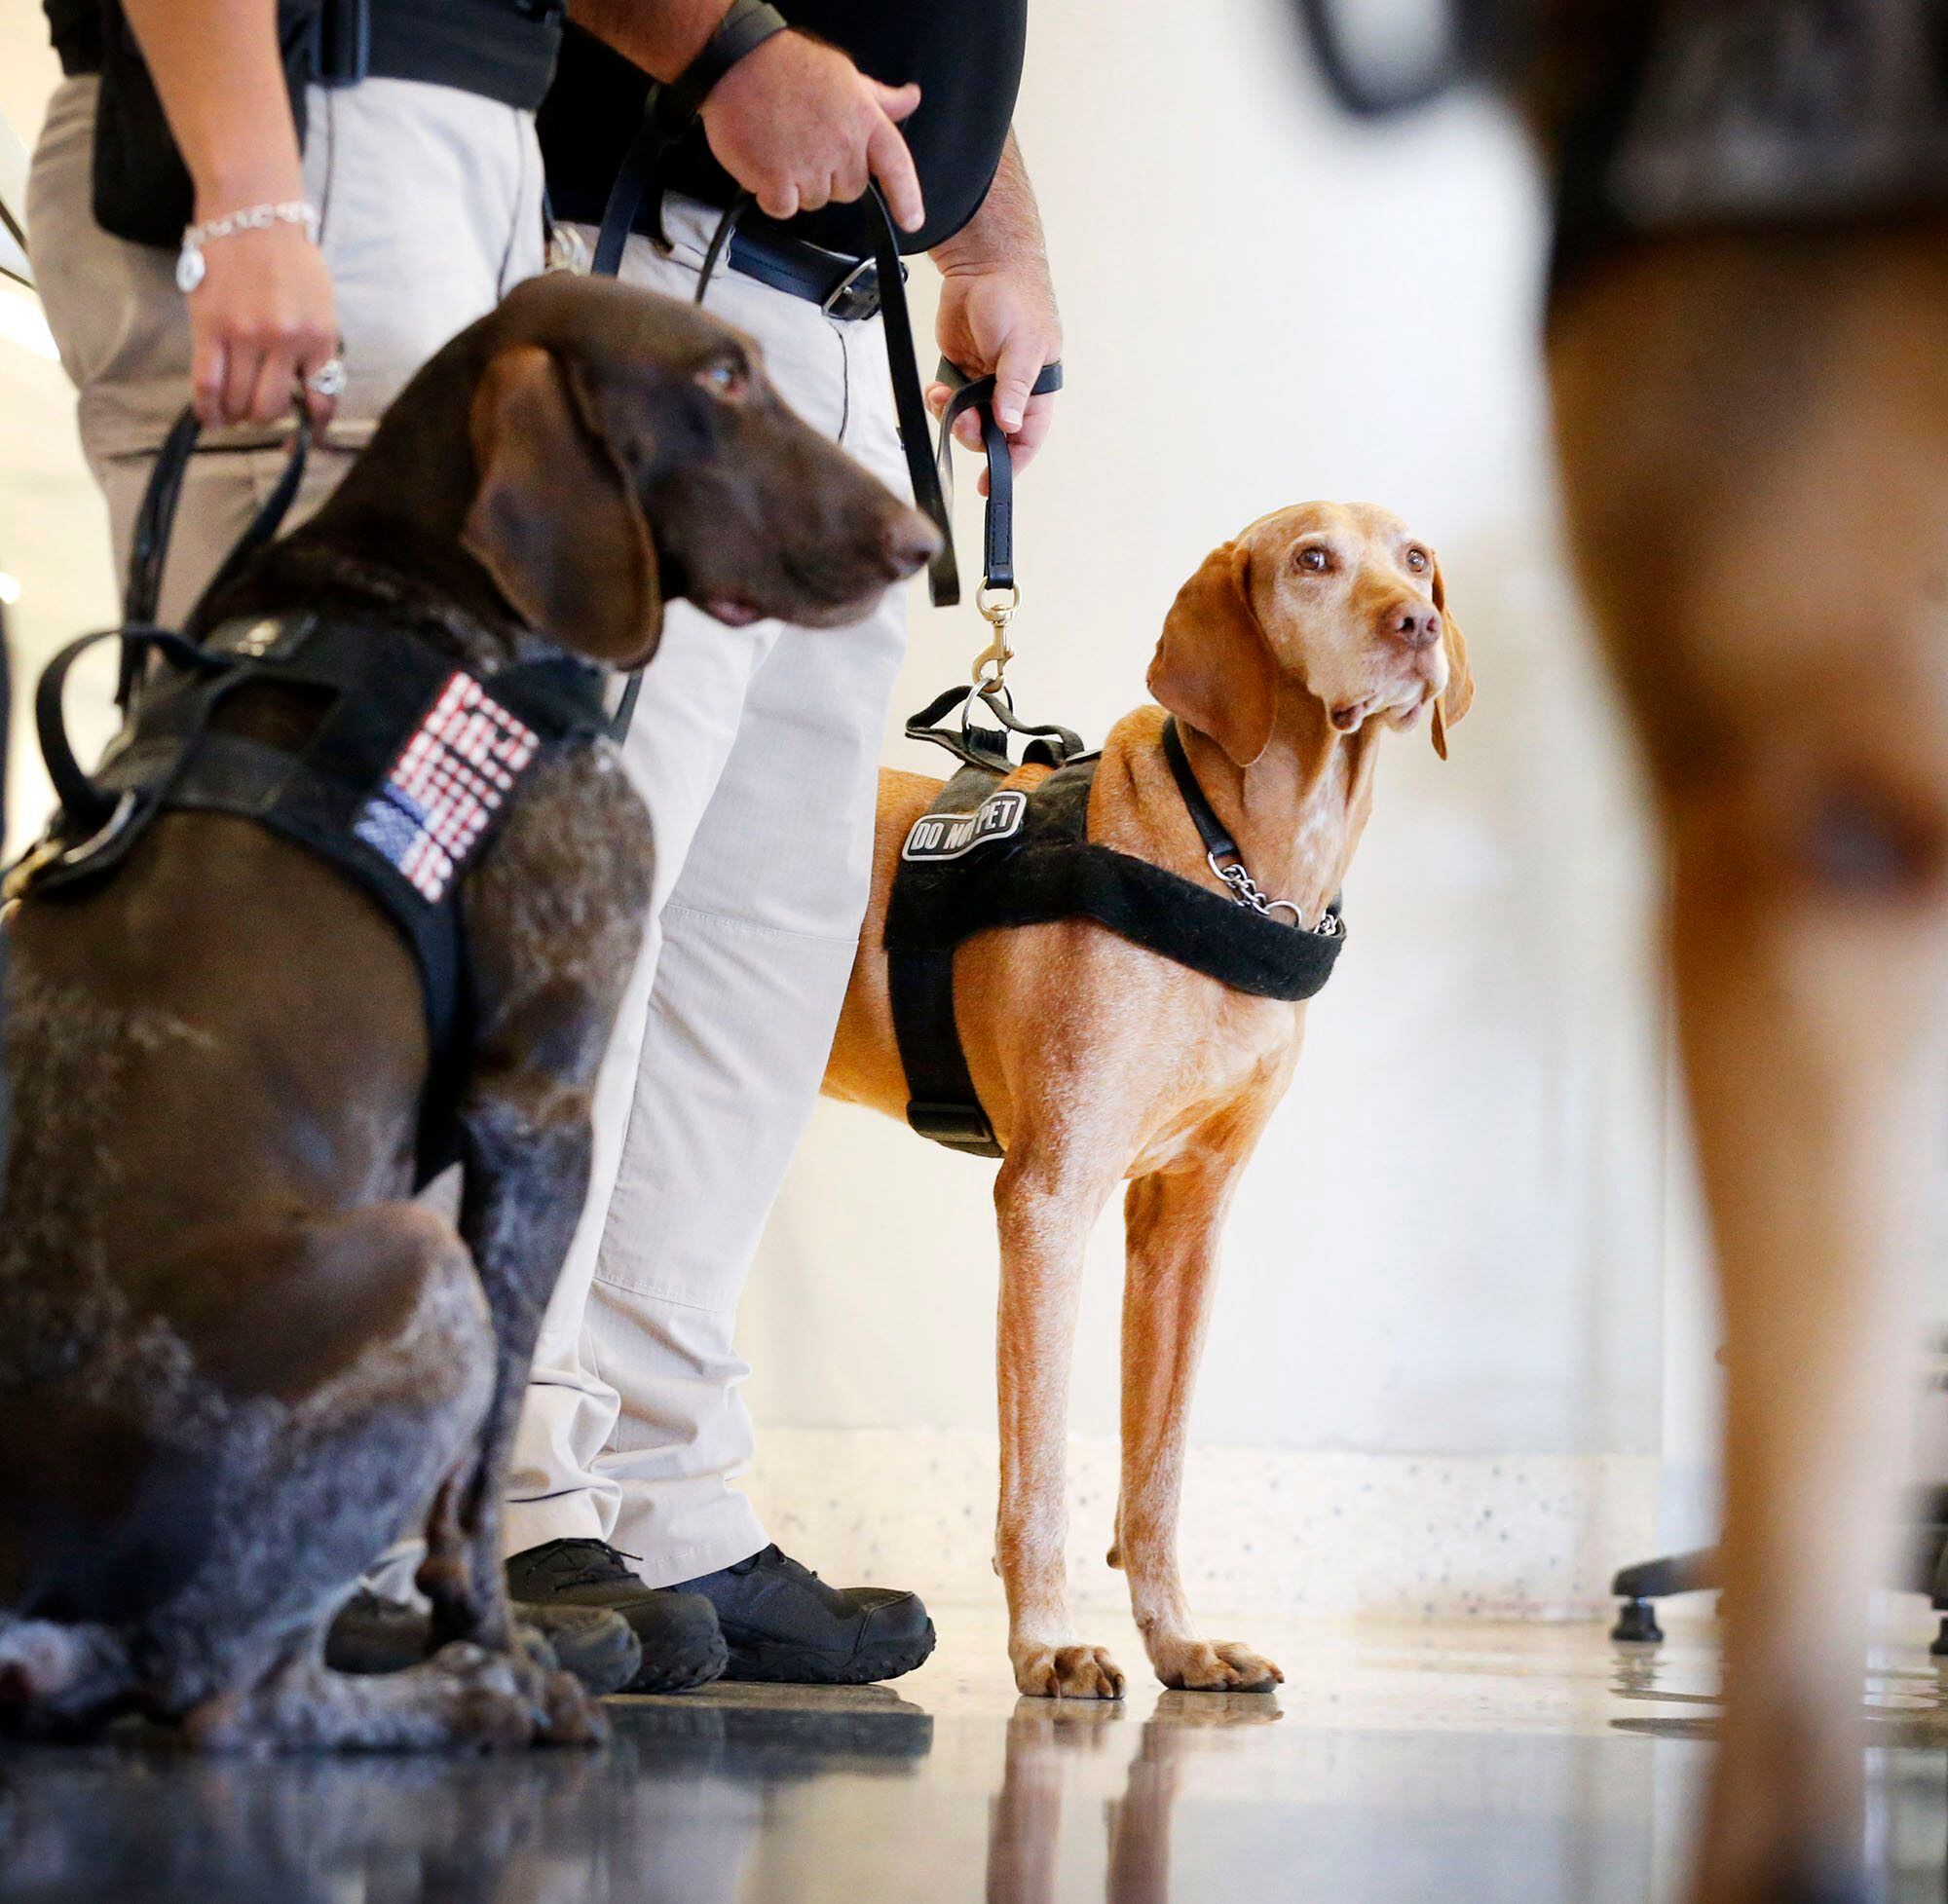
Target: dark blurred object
pixel 1467 36
pixel 1685 115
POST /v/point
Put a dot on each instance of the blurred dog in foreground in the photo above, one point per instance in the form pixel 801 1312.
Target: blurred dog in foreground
pixel 1751 402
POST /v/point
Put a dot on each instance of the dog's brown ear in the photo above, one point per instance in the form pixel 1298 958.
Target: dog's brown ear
pixel 1214 669
pixel 554 519
pixel 1458 697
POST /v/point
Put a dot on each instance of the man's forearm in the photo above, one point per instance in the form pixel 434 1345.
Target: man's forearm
pixel 1007 226
pixel 221 81
pixel 661 36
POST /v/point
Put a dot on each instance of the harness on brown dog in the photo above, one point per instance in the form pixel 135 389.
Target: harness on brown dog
pixel 407 774
pixel 984 855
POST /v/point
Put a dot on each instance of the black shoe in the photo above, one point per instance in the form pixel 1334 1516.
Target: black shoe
pixel 375 1636
pixel 782 1622
pixel 682 1644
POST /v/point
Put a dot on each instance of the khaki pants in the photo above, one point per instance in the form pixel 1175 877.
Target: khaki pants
pixel 757 750
pixel 430 202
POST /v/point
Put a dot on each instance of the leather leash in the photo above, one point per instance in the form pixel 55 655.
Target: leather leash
pixel 155 519
pixel 668 114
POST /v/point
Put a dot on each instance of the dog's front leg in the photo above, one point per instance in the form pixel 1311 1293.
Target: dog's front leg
pixel 527 1144
pixel 1174 1223
pixel 1045 1215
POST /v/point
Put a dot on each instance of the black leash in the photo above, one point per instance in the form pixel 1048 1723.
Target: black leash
pixel 666 119
pixel 670 113
pixel 155 521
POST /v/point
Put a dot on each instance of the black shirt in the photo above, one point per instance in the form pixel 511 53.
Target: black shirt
pixel 500 48
pixel 964 54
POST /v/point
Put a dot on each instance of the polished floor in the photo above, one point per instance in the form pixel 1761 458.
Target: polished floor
pixel 1504 1765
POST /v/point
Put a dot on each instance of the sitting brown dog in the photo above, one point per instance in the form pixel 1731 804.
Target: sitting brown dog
pixel 235 1360
pixel 1098 1061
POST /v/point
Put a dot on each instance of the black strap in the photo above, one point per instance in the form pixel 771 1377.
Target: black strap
pixel 1049 742
pixel 668 113
pixel 977 393
pixel 742 30
pixel 640 164
pixel 1209 827
pixel 86 805
pixel 941 1101
pixel 155 520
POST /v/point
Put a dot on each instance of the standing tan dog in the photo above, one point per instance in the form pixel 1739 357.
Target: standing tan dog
pixel 1098 1063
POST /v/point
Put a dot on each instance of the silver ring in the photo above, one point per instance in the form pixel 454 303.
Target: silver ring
pixel 329 378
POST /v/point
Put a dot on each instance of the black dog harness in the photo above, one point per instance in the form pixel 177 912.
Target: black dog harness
pixel 986 856
pixel 410 770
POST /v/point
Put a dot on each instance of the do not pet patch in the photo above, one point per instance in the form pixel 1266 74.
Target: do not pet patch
pixel 946 835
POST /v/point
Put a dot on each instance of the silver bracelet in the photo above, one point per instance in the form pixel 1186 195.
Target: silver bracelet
pixel 252 218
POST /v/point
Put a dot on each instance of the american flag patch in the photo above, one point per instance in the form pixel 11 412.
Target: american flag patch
pixel 450 779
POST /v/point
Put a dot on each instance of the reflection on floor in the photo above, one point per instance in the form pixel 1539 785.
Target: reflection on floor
pixel 1501 1764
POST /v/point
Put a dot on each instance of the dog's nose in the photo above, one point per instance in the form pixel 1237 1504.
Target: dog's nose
pixel 907 541
pixel 1414 624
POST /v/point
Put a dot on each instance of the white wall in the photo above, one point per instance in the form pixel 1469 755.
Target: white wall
pixel 1437 1375
pixel 1448 1266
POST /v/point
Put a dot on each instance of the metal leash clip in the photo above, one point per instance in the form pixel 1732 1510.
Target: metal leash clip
pixel 998 608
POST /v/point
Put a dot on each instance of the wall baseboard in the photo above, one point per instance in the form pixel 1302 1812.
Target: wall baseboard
pixel 1276 1530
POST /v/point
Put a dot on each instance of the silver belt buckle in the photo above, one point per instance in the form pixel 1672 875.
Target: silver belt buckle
pixel 856 295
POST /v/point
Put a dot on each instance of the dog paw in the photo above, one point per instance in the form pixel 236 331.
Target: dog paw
pixel 520 1698
pixel 1067 1673
pixel 1196 1665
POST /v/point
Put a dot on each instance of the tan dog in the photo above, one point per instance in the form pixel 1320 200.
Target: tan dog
pixel 1100 1062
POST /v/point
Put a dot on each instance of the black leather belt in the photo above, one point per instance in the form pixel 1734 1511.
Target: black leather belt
pixel 842 287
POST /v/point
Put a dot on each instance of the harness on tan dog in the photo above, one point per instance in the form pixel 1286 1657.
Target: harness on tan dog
pixel 409 772
pixel 984 855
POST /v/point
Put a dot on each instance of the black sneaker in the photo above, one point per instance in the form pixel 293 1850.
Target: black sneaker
pixel 782 1622
pixel 678 1631
pixel 374 1635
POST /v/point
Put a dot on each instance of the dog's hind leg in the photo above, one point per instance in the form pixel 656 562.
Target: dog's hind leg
pixel 1174 1223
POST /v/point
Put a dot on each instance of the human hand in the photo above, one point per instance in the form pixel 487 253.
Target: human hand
pixel 262 321
pixel 800 127
pixel 999 316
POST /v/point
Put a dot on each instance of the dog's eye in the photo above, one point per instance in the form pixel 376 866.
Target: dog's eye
pixel 1416 560
pixel 1314 559
pixel 725 379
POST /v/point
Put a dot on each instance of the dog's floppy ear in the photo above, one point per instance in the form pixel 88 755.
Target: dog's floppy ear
pixel 1214 669
pixel 554 519
pixel 1458 697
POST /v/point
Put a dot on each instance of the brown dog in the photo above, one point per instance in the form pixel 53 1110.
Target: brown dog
pixel 235 1360
pixel 1751 406
pixel 1100 1062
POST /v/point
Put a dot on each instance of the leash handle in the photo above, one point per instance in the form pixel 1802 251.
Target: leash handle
pixel 977 393
pixel 155 521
